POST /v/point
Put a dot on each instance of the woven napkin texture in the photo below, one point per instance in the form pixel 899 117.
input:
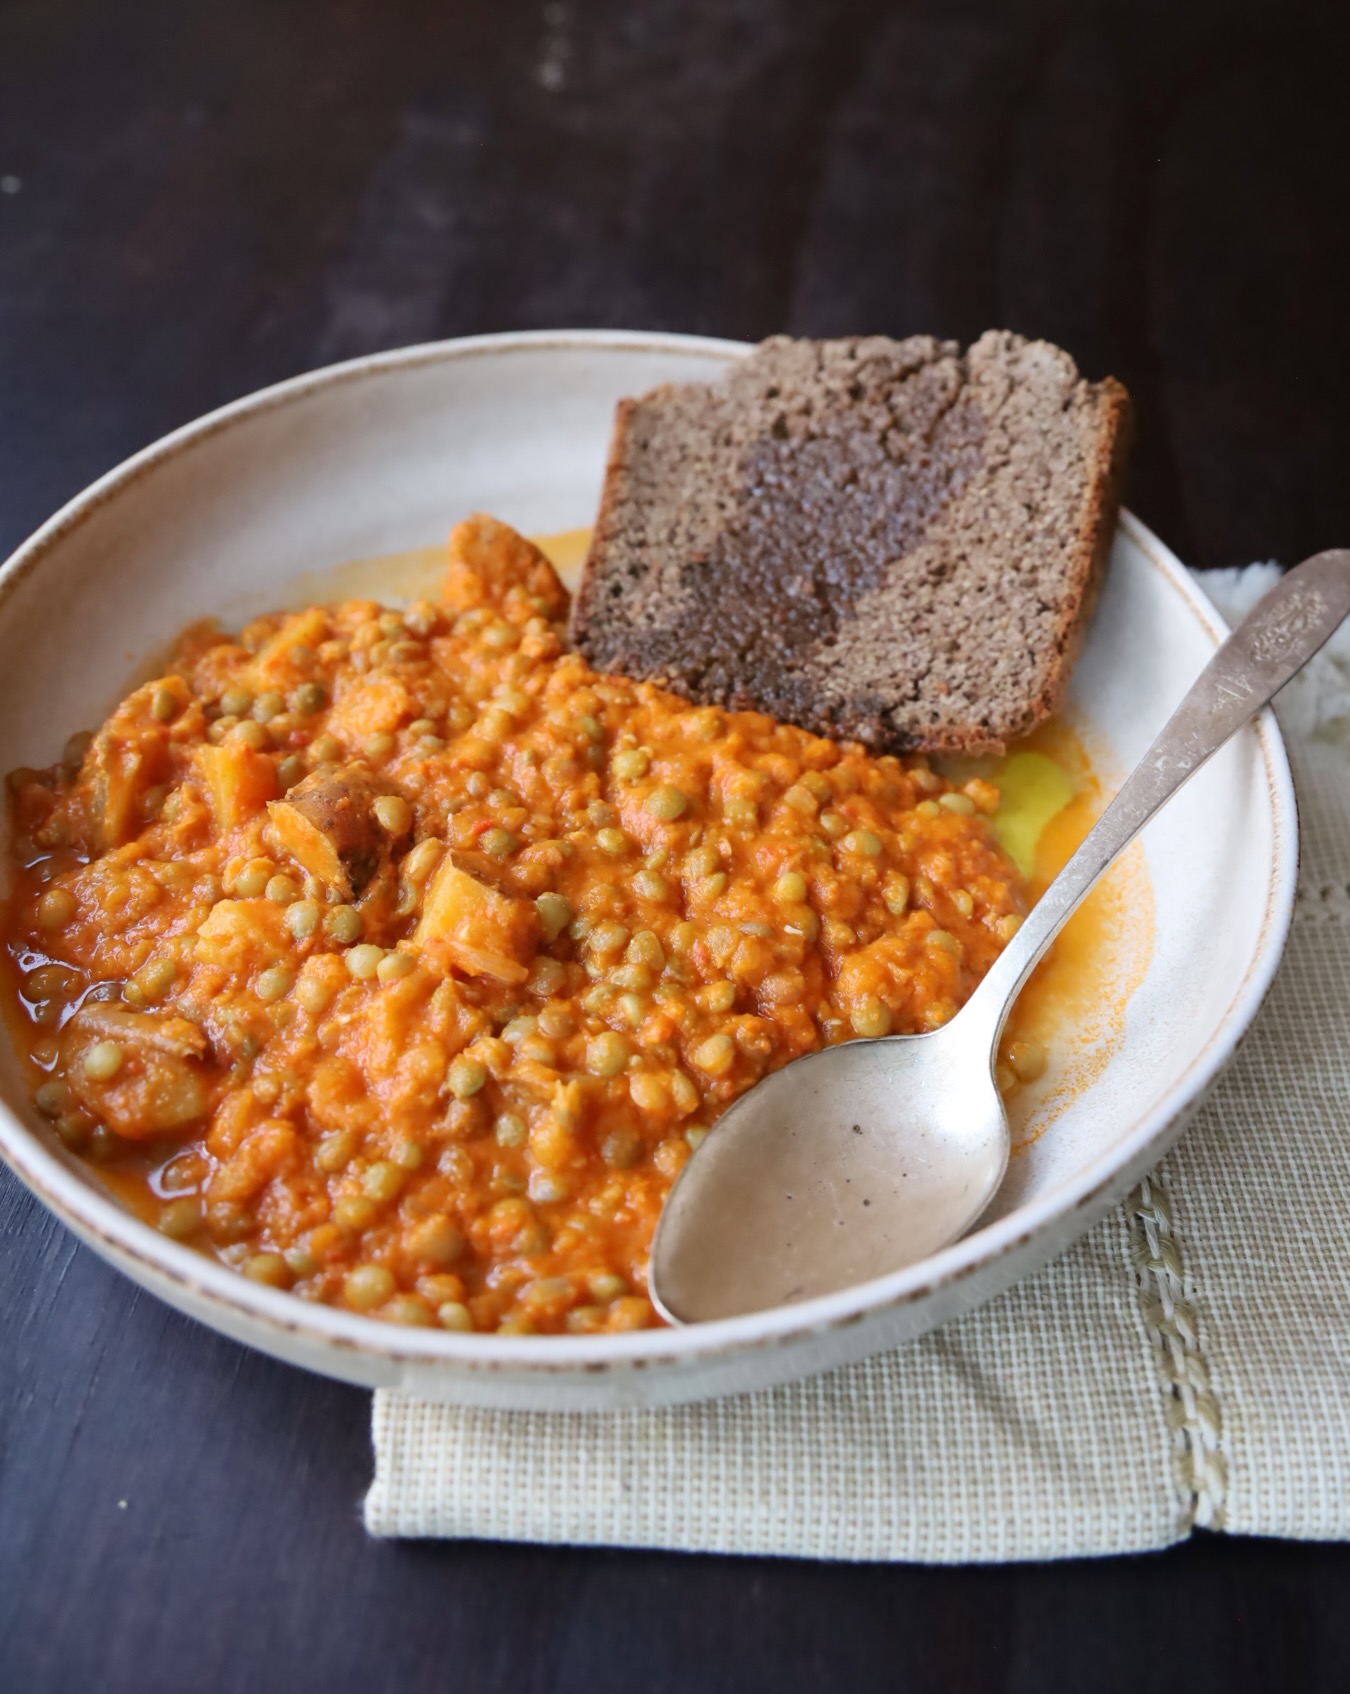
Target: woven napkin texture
pixel 1186 1363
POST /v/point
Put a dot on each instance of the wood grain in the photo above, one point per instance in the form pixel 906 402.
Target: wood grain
pixel 196 200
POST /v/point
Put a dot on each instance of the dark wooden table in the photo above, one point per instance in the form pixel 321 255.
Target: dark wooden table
pixel 198 199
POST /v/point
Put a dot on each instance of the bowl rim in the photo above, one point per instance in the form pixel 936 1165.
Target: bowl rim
pixel 99 1218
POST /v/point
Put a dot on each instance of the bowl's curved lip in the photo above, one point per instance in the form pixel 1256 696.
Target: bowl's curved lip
pixel 98 1217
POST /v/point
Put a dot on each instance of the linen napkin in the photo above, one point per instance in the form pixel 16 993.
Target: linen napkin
pixel 1187 1363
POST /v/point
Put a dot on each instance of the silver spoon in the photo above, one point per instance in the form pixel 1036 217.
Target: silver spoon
pixel 863 1158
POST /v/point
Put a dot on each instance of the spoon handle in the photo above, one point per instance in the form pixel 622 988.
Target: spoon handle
pixel 1271 644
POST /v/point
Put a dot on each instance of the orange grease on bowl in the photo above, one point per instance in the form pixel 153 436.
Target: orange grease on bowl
pixel 1075 1003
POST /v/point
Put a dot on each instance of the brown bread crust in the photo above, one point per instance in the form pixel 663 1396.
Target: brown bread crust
pixel 893 542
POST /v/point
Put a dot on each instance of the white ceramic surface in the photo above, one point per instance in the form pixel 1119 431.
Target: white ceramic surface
pixel 383 455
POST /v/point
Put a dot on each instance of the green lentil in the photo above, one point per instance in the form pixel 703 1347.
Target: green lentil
pixel 393 814
pixel 606 1054
pixel 500 843
pixel 383 1181
pixel 715 1055
pixel 302 919
pixel 343 924
pixel 408 1309
pixel 235 703
pixel 621 1149
pixel 309 699
pixel 423 859
pixel 275 982
pixel 270 1269
pixel 103 1061
pixel 336 1151
pixel 394 966
pixel 253 879
pixel 355 1211
pixel 862 841
pixel 156 977
pixel 651 885
pixel 555 913
pixel 437 1241
pixel 368 1286
pixel 871 1017
pixel 52 1097
pixel 55 909
pixel 181 1218
pixel 608 937
pixel 301 1260
pixel 466 1077
pixel 325 749
pixel 250 734
pixel 1028 1059
pixel 363 960
pixel 510 1130
pixel 164 705
pixel 645 949
pixel 313 994
pixel 666 803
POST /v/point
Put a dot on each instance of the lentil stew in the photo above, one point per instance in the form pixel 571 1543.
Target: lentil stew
pixel 401 960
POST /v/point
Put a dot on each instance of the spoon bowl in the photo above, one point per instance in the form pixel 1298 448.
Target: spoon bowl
pixel 869 1156
pixel 805 1187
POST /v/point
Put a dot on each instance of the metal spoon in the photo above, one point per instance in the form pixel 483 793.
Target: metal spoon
pixel 865 1157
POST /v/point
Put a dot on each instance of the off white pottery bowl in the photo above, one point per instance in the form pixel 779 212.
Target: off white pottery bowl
pixel 382 455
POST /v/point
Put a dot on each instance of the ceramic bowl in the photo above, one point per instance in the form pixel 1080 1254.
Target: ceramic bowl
pixel 382 455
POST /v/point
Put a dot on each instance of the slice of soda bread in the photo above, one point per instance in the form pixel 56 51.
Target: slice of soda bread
pixel 895 542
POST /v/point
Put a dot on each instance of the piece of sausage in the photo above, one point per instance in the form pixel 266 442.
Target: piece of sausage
pixel 327 823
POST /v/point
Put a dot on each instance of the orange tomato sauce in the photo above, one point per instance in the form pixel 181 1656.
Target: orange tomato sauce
pixel 400 960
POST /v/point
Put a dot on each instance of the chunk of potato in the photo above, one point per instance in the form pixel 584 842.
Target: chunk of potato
pixel 236 935
pixel 260 1156
pixel 466 924
pixel 327 824
pixel 238 780
pixel 488 559
pixel 272 661
pixel 373 706
pixel 161 1084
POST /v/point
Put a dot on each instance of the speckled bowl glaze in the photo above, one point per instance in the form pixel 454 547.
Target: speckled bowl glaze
pixel 382 455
